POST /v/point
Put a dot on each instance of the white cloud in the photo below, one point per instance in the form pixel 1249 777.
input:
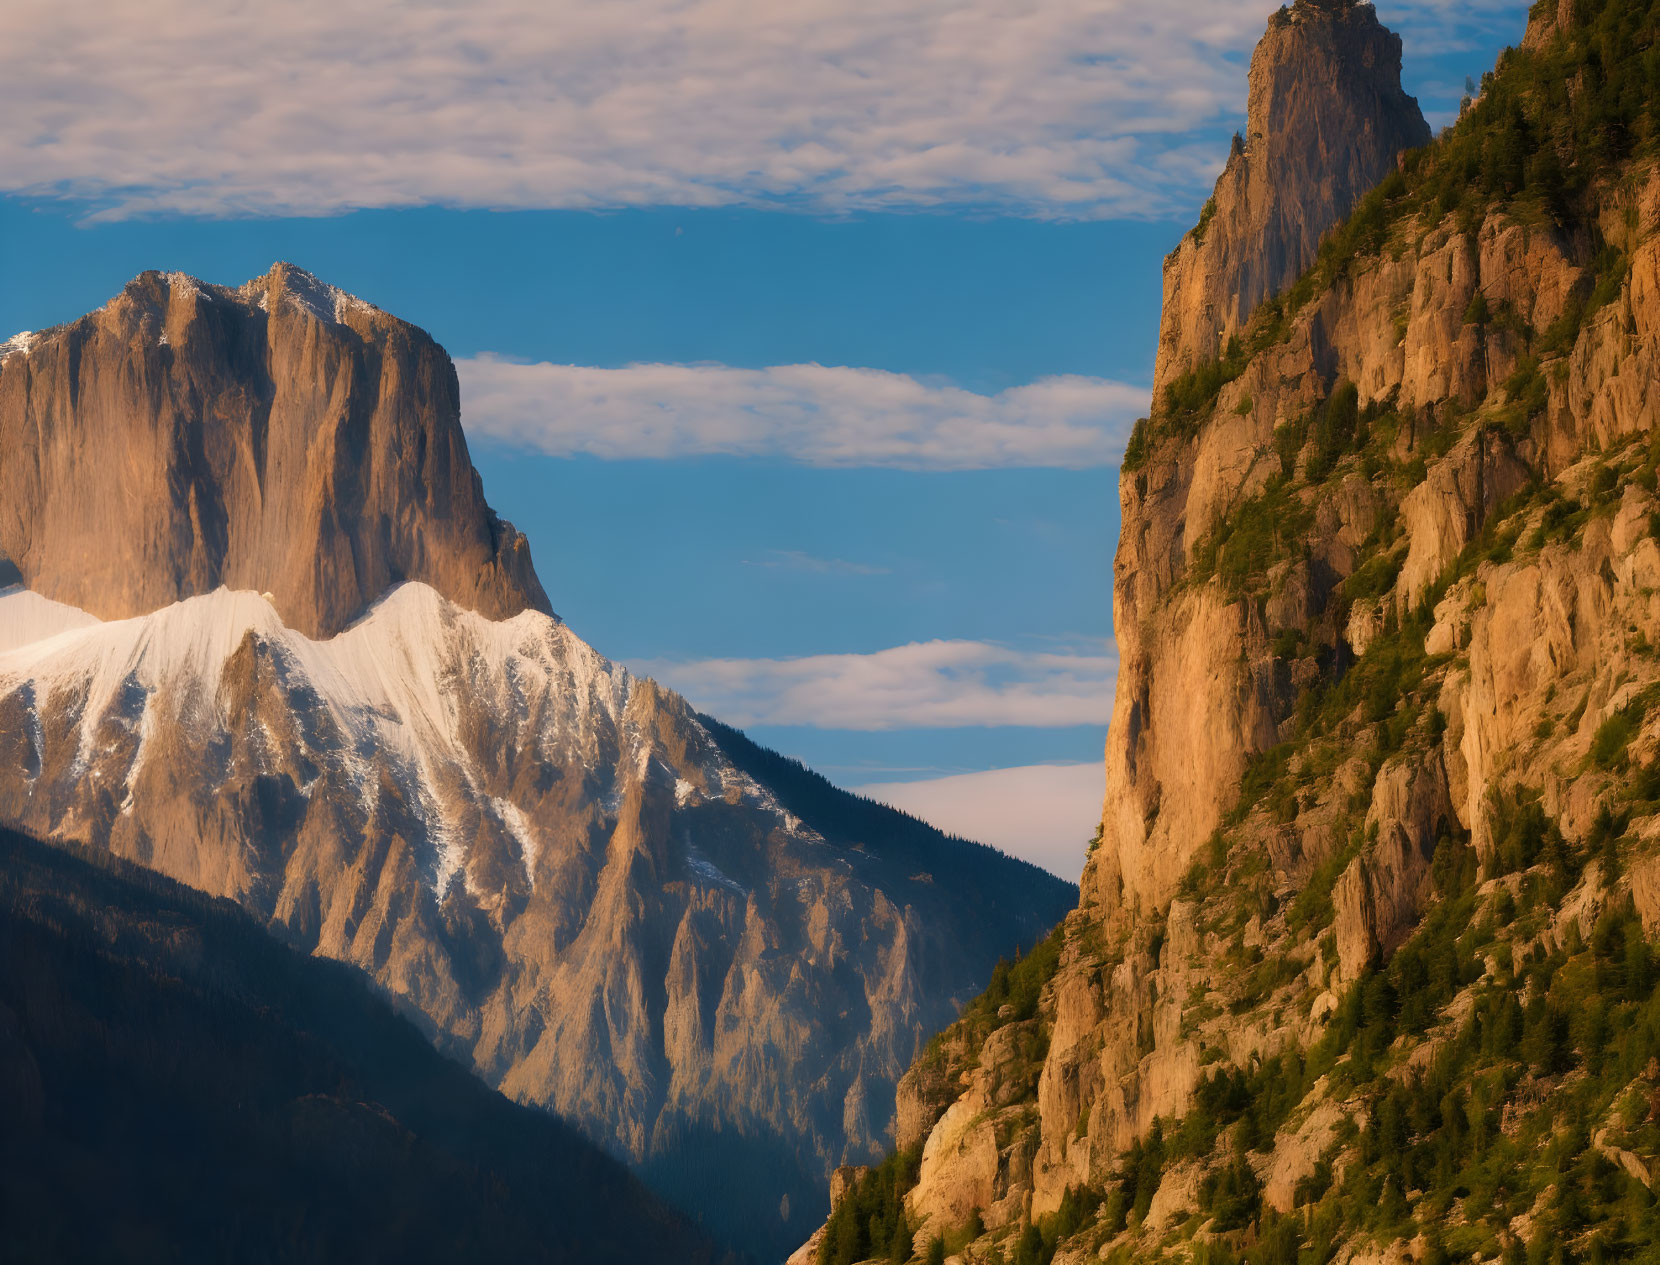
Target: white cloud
pixel 1046 107
pixel 796 560
pixel 924 685
pixel 812 414
pixel 1045 813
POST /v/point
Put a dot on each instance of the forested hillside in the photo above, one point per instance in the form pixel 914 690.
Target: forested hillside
pixel 176 1085
pixel 1365 967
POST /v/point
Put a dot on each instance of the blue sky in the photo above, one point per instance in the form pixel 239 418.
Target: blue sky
pixel 800 344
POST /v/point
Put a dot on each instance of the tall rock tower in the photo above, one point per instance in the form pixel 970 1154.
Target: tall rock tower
pixel 1327 121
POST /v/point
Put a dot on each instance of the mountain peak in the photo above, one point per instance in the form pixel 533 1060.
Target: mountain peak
pixel 282 286
pixel 1302 7
pixel 286 281
pixel 1327 120
pixel 187 436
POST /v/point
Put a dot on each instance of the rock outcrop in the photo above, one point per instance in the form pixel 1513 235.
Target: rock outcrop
pixel 281 437
pixel 1327 120
pixel 337 698
pixel 1384 767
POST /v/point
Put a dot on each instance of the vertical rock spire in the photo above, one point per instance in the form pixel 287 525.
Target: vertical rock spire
pixel 1327 121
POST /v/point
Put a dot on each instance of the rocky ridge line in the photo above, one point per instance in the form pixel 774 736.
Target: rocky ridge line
pixel 315 674
pixel 1385 761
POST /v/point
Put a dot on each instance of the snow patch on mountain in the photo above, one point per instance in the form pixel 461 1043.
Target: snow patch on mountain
pixel 708 871
pixel 328 303
pixel 518 825
pixel 18 344
pixel 399 696
pixel 27 618
pixel 184 283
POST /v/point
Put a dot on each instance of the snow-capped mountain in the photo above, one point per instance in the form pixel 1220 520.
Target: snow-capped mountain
pixel 382 742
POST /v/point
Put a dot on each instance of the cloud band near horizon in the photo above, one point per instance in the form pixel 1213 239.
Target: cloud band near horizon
pixel 1043 813
pixel 810 414
pixel 924 685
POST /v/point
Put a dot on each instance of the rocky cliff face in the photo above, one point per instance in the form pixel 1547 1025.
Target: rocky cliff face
pixel 705 956
pixel 281 437
pixel 1327 120
pixel 1384 768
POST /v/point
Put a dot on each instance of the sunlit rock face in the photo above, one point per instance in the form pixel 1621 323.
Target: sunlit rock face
pixel 1327 120
pixel 281 436
pixel 291 658
pixel 1287 818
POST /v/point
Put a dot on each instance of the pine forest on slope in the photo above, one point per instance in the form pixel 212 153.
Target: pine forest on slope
pixel 1365 964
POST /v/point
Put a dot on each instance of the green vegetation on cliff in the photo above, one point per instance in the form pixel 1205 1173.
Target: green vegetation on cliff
pixel 1404 1003
pixel 1551 123
pixel 870 1222
pixel 1524 1109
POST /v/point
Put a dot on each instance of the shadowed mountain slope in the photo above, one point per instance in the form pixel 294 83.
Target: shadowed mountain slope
pixel 175 1085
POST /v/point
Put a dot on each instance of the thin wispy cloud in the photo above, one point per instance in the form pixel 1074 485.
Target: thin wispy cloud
pixel 811 414
pixel 1039 107
pixel 796 560
pixel 1045 813
pixel 924 685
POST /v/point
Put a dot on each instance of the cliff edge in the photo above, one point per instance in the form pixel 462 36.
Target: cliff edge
pixel 1365 964
pixel 1327 120
pixel 281 437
